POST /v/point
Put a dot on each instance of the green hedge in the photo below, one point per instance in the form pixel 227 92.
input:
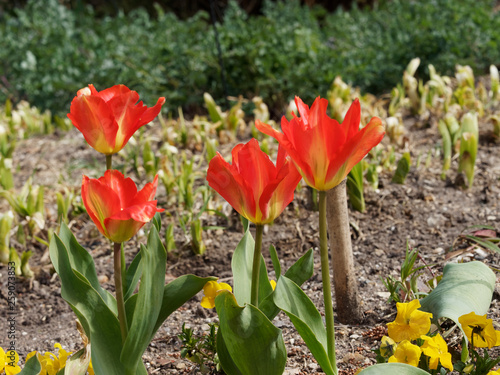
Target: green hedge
pixel 49 52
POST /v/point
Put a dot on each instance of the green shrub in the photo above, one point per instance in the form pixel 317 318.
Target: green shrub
pixel 49 52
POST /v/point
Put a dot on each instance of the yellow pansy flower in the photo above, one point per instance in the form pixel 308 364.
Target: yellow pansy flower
pixel 273 284
pixel 407 353
pixel 211 289
pixel 479 330
pixel 387 347
pixel 8 362
pixel 410 323
pixel 437 351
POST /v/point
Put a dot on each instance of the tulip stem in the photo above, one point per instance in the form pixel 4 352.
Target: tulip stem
pixel 256 265
pixel 325 276
pixel 108 161
pixel 120 303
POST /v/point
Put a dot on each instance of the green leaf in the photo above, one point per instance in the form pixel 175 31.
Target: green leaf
pixel 253 342
pixel 299 273
pixel 32 367
pixel 153 261
pixel 306 319
pixel 98 320
pixel 276 261
pixel 402 169
pixel 355 187
pixel 157 221
pixel 83 262
pixel 465 287
pixel 393 369
pixel 226 361
pixel 133 274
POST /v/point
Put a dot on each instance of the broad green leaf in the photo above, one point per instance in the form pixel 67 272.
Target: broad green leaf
pixel 32 367
pixel 393 369
pixel 226 361
pixel 157 221
pixel 253 342
pixel 465 287
pixel 82 261
pixel 98 320
pixel 306 319
pixel 153 261
pixel 299 272
pixel 175 294
pixel 242 264
pixel 133 274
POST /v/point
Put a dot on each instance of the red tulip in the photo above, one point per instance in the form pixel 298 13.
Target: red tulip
pixel 252 184
pixel 116 207
pixel 323 150
pixel 108 119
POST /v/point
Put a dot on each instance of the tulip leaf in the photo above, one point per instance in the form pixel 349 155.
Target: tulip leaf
pixel 147 309
pixel 393 369
pixel 133 274
pixel 465 287
pixel 32 367
pixel 241 265
pixel 276 261
pixel 82 261
pixel 255 345
pixel 355 188
pixel 306 319
pixel 402 169
pixel 98 320
pixel 299 273
pixel 157 221
pixel 226 361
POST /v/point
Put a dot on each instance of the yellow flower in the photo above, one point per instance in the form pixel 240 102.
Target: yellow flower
pixel 211 290
pixel 407 353
pixel 387 347
pixel 8 362
pixel 273 284
pixel 437 350
pixel 90 369
pixel 410 323
pixel 479 330
pixel 494 372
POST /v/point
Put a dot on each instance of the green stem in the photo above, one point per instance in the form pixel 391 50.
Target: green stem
pixel 120 303
pixel 256 265
pixel 325 275
pixel 109 158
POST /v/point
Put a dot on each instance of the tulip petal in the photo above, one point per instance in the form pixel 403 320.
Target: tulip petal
pixel 352 120
pixel 100 201
pixel 123 187
pixel 147 193
pixel 224 179
pixel 92 117
pixel 111 92
pixel 150 113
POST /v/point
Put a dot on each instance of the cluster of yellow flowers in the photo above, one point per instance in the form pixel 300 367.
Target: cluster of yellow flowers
pixel 51 363
pixel 411 324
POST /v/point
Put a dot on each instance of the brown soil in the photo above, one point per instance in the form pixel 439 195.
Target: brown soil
pixel 426 211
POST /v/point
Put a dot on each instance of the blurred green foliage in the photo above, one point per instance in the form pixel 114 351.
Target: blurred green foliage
pixel 49 52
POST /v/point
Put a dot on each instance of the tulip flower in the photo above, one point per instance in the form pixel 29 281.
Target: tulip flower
pixel 116 207
pixel 252 184
pixel 107 119
pixel 323 150
pixel 256 188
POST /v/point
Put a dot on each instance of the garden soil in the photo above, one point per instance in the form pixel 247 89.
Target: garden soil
pixel 425 212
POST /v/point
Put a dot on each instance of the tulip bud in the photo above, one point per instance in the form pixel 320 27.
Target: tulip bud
pixel 197 243
pixel 465 76
pixel 6 221
pixel 495 82
pixel 412 67
pixel 468 146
